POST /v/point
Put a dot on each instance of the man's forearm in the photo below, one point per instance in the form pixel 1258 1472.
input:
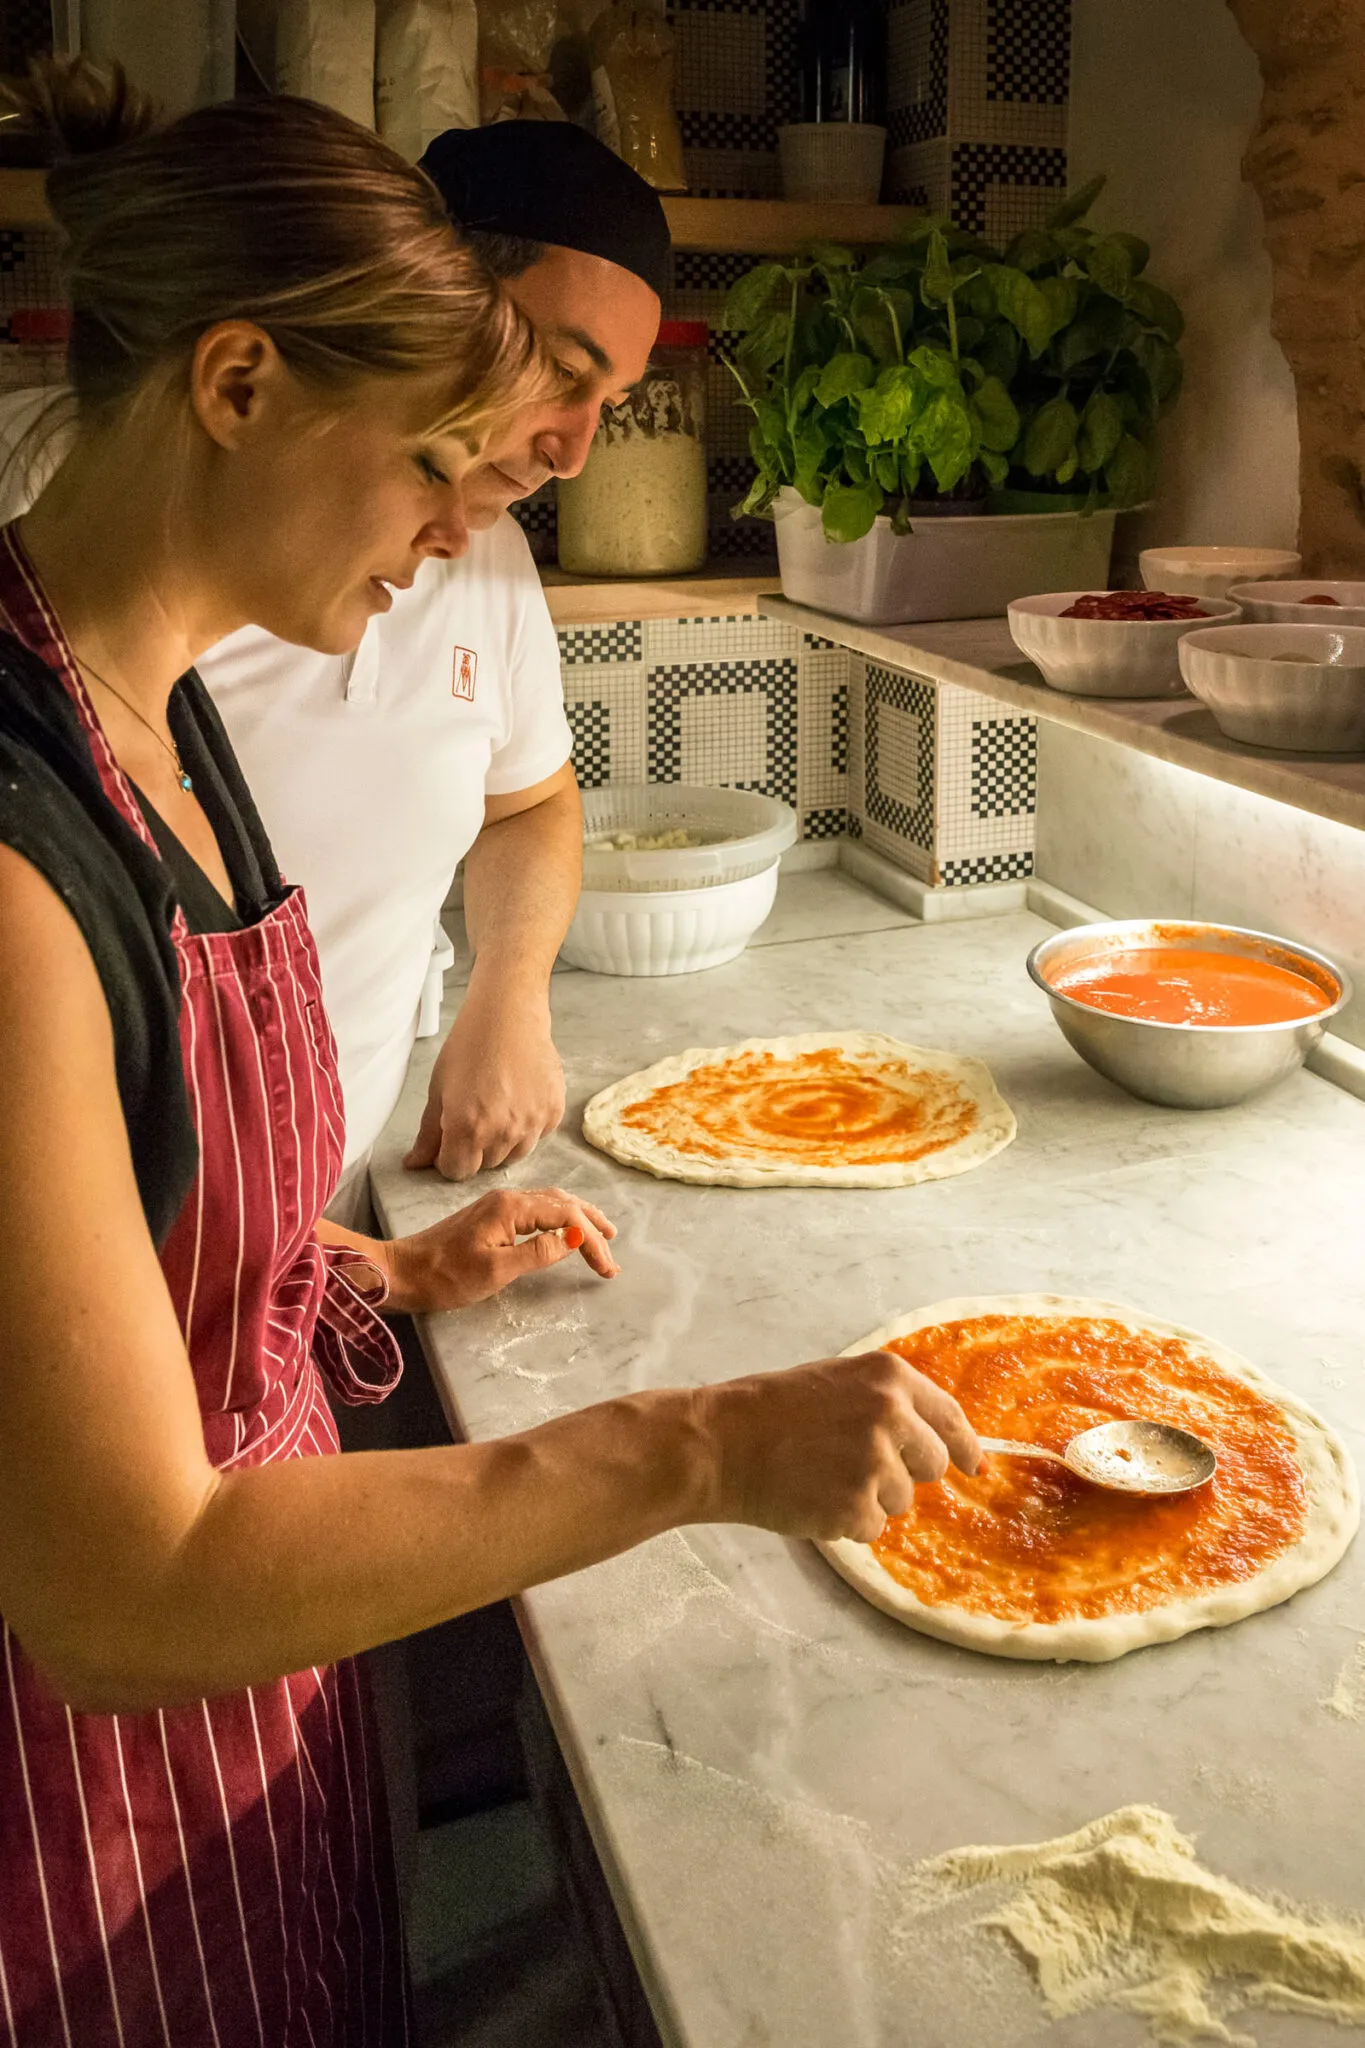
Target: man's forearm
pixel 521 882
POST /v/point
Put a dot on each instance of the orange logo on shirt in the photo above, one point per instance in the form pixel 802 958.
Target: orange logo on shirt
pixel 466 669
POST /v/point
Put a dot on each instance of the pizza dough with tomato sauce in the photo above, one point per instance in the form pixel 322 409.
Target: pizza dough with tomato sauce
pixel 1026 1560
pixel 847 1109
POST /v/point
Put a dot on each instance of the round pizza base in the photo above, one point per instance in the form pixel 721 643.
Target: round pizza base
pixel 1332 1518
pixel 994 1128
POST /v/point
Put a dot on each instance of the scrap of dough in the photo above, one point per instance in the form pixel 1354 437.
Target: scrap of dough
pixel 1122 1914
pixel 1332 1520
pixel 993 1127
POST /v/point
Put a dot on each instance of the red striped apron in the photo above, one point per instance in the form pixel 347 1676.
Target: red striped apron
pixel 219 1875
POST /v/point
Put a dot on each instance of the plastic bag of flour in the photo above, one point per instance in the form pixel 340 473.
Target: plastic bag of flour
pixel 324 50
pixel 426 71
pixel 517 40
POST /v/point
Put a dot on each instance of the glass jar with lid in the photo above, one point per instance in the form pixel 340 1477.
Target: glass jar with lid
pixel 638 505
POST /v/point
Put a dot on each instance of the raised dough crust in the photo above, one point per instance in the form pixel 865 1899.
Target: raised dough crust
pixel 1333 1516
pixel 995 1126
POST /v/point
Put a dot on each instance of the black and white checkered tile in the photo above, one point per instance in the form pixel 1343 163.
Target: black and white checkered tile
pixel 25 31
pixel 917 68
pixel 710 270
pixel 979 165
pixel 986 867
pixel 900 761
pixel 729 473
pixel 1004 767
pixel 1028 50
pixel 829 821
pixel 741 540
pixel 538 518
pixel 591 728
pixel 838 729
pixel 620 640
pixel 702 130
pixel 716 753
pixel 781 24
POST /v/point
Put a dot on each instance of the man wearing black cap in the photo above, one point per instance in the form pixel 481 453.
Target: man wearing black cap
pixel 442 737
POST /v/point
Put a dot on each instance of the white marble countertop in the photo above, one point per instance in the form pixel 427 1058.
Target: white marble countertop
pixel 759 1754
pixel 979 654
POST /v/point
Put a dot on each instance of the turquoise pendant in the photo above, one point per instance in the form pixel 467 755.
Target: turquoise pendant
pixel 185 782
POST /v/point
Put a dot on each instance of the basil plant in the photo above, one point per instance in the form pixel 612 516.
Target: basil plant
pixel 943 368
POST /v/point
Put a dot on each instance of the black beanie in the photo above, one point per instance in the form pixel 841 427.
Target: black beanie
pixel 549 181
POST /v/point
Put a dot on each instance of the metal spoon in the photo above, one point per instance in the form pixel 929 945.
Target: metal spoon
pixel 1126 1457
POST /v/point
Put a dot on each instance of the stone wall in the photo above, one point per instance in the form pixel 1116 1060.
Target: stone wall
pixel 1306 160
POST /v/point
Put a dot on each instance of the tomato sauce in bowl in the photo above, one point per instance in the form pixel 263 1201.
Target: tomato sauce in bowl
pixel 1190 985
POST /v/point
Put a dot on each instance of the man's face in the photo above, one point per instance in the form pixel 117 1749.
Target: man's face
pixel 600 322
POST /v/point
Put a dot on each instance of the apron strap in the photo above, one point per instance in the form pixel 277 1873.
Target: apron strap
pixel 355 1349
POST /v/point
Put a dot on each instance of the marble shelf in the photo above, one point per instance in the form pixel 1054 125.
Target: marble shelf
pixel 761 1756
pixel 980 655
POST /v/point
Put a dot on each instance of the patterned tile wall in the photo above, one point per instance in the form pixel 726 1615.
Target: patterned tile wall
pixel 978 95
pixel 976 123
pixel 937 779
pixel 32 322
pixel 743 702
pixel 941 782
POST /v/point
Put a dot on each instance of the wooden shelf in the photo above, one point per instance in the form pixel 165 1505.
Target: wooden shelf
pixel 725 591
pixel 774 227
pixel 761 227
pixel 22 204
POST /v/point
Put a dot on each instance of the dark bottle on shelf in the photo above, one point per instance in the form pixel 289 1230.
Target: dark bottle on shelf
pixel 842 59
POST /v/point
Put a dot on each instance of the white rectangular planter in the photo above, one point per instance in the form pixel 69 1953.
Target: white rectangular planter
pixel 944 568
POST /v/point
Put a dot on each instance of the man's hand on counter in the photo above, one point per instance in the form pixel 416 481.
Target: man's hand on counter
pixel 497 1087
pixel 831 1449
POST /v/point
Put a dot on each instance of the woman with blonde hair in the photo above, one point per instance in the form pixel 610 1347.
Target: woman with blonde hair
pixel 284 364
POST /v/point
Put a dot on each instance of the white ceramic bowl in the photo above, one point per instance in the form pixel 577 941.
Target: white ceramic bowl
pixel 741 833
pixel 1303 706
pixel 1281 604
pixel 1208 572
pixel 1105 657
pixel 667 931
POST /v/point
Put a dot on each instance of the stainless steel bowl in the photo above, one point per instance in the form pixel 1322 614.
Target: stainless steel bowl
pixel 1186 1066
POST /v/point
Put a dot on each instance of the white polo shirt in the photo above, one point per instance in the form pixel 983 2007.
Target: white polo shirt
pixel 370 771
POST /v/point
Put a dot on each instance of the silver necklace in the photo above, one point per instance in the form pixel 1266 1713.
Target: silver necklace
pixel 168 745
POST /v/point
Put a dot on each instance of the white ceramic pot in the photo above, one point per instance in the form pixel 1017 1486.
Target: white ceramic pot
pixel 832 160
pixel 1210 572
pixel 1299 689
pixel 944 568
pixel 667 931
pixel 1105 657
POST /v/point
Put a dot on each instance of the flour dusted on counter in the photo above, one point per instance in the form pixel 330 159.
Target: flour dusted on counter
pixel 1122 1914
pixel 1347 1698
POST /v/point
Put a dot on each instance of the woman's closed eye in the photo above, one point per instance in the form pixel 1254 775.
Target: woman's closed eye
pixel 429 470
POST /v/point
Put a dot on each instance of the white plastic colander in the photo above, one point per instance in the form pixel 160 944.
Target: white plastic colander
pixel 743 834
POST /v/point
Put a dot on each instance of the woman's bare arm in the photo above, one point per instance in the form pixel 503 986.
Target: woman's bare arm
pixel 136 1575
